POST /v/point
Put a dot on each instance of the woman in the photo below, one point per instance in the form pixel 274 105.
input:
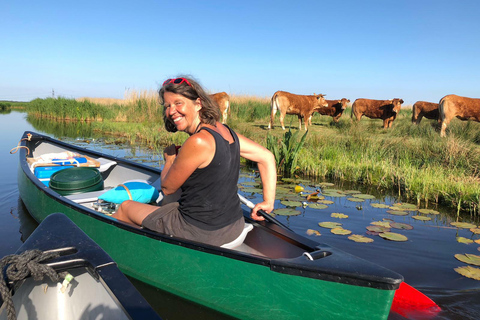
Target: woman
pixel 205 168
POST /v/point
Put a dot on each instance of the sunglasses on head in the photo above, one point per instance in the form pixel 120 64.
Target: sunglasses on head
pixel 176 81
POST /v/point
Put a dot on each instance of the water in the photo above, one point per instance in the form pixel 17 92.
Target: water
pixel 426 260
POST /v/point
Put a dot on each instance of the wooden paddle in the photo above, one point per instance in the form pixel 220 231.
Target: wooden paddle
pixel 407 301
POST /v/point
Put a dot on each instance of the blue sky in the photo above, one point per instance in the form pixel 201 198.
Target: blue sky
pixel 415 50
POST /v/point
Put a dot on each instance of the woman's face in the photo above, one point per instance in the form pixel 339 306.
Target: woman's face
pixel 183 112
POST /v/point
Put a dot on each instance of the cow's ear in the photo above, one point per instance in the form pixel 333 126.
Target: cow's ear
pixel 339 101
pixel 401 101
pixel 348 100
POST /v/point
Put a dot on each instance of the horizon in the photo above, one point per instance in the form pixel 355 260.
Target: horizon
pixel 414 50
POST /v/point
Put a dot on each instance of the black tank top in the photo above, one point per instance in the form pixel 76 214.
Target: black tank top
pixel 209 197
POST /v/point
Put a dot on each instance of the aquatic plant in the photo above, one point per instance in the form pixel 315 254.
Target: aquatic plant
pixel 286 150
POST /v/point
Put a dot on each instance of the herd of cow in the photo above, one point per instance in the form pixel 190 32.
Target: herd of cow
pixel 304 106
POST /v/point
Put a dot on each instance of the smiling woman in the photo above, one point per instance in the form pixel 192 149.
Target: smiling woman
pixel 205 170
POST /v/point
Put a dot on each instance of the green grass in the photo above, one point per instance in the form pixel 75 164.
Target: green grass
pixel 412 160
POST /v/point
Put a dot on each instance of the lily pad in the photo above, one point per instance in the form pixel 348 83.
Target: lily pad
pixel 252 190
pixel 326 184
pixel 364 196
pixel 475 230
pixel 340 231
pixel 402 226
pixel 464 240
pixel 286 212
pixel 317 206
pixel 325 201
pixel 469 272
pixel 469 258
pixel 406 206
pixel 352 192
pixel 380 205
pixel 354 199
pixel 339 215
pixel 397 212
pixel 385 224
pixel 283 189
pixel 463 225
pixel 393 236
pixel 293 197
pixel 360 238
pixel 428 211
pixel 312 232
pixel 329 225
pixel 422 218
pixel 250 183
pixel 333 194
pixel 292 204
pixel 377 229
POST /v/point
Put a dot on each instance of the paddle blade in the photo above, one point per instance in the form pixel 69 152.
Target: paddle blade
pixel 412 304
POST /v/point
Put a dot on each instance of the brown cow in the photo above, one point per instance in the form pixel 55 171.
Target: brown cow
pixel 301 105
pixel 463 108
pixel 223 101
pixel 386 110
pixel 335 109
pixel 425 109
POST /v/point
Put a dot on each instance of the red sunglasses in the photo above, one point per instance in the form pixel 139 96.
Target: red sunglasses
pixel 176 81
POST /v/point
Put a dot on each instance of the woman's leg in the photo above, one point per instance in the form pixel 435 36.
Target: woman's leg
pixel 133 212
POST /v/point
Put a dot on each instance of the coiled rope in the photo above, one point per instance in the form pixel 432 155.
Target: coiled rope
pixel 19 267
pixel 28 138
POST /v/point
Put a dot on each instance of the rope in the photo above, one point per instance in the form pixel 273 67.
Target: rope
pixel 128 191
pixel 19 267
pixel 28 138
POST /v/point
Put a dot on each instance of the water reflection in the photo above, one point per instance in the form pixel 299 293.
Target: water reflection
pixel 70 129
pixel 169 306
pixel 27 223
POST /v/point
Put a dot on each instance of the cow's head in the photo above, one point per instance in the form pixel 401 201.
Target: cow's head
pixel 344 103
pixel 396 104
pixel 321 102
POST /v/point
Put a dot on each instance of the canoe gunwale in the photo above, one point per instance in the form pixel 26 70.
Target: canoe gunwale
pixel 363 273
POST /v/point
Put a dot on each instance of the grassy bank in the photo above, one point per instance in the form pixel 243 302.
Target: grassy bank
pixel 412 160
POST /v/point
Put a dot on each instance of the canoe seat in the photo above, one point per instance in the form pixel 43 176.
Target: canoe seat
pixel 237 242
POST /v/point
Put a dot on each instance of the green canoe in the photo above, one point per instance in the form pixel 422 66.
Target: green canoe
pixel 273 274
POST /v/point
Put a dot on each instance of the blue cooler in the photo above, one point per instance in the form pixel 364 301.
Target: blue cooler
pixel 44 173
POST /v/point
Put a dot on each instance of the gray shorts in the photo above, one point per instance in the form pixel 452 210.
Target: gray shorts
pixel 168 220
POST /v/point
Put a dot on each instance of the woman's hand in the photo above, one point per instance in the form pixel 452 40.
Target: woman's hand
pixel 170 153
pixel 265 206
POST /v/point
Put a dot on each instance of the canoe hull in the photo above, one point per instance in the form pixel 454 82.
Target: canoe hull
pixel 244 288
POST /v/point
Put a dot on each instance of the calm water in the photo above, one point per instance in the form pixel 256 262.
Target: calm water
pixel 426 260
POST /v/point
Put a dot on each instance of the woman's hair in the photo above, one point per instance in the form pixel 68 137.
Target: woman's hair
pixel 190 89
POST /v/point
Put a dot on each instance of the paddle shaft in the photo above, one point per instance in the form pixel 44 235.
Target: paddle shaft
pixel 268 217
